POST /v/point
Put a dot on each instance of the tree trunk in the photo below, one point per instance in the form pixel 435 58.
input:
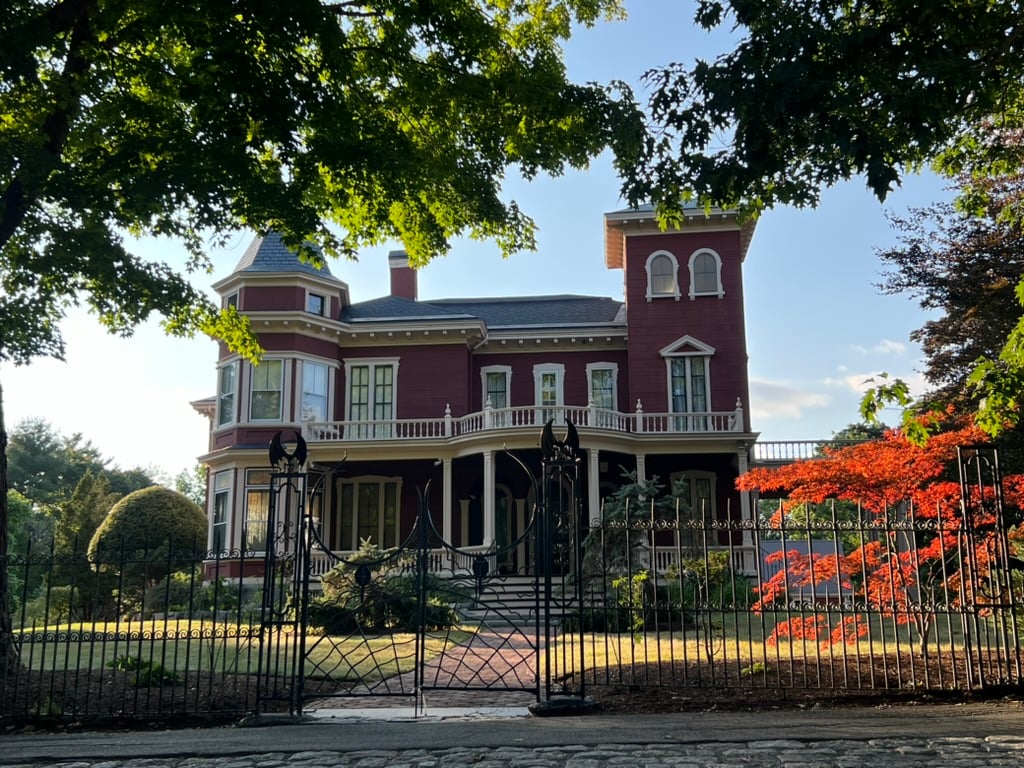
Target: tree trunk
pixel 8 650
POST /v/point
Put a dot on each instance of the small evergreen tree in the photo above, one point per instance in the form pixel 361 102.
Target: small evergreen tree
pixel 149 531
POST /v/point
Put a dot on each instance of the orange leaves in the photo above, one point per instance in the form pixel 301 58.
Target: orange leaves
pixel 878 474
pixel 910 547
pixel 822 629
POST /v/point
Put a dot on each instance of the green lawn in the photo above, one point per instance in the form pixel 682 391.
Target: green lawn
pixel 218 647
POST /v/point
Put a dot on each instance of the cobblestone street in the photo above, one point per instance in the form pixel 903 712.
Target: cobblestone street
pixel 937 736
pixel 842 753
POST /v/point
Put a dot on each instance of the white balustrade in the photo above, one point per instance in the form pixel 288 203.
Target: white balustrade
pixel 447 427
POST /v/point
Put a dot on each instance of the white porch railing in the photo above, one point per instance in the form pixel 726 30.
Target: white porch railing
pixel 445 562
pixel 527 417
pixel 788 451
pixel 744 558
pixel 440 562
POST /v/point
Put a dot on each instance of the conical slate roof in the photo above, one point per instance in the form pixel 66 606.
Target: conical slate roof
pixel 270 254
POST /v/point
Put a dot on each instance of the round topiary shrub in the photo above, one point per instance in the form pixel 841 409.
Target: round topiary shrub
pixel 151 532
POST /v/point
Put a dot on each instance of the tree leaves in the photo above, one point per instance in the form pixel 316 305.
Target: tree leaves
pixel 338 124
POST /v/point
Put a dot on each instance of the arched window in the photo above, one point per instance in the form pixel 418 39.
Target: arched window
pixel 705 274
pixel 662 276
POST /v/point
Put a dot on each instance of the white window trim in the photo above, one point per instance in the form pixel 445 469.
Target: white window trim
pixel 687 347
pixel 331 369
pixel 488 369
pixel 229 524
pixel 591 367
pixel 538 371
pixel 675 277
pixel 372 362
pixel 285 391
pixel 233 416
pixel 720 292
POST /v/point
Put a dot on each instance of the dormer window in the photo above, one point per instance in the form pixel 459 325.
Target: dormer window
pixel 316 304
pixel 706 274
pixel 662 276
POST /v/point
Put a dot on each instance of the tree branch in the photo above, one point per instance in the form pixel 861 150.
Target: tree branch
pixel 17 199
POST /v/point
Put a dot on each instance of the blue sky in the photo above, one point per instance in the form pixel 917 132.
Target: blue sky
pixel 817 326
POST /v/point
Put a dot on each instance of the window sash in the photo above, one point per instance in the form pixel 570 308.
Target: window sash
pixel 705 274
pixel 497 390
pixel 315 303
pixel 662 275
pixel 689 393
pixel 257 511
pixel 368 510
pixel 602 388
pixel 267 381
pixel 372 396
pixel 226 394
pixel 314 392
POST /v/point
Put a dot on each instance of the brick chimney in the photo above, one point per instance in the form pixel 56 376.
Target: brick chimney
pixel 403 277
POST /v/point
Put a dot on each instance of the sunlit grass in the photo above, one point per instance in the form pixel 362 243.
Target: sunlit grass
pixel 198 646
pixel 746 639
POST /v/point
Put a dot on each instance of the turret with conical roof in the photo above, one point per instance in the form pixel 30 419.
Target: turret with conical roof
pixel 271 276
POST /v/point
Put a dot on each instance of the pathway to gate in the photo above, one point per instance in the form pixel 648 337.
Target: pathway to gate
pixel 476 674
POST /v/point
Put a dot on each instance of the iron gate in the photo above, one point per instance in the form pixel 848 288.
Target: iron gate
pixel 425 616
pixel 428 616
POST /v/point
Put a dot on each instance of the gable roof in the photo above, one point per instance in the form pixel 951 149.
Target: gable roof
pixel 269 254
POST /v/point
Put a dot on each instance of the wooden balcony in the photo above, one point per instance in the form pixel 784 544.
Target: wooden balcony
pixel 529 417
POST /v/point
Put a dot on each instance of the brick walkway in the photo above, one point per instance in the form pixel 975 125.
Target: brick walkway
pixel 494 668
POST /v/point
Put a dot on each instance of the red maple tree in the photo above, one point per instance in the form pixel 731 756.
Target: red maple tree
pixel 915 550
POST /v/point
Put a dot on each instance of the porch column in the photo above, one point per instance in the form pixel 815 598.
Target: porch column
pixel 594 486
pixel 742 466
pixel 488 505
pixel 641 467
pixel 446 497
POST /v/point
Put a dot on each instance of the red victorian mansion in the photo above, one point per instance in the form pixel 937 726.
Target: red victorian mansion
pixel 409 391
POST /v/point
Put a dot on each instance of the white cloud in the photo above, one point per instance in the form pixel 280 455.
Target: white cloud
pixel 883 347
pixel 781 400
pixel 860 383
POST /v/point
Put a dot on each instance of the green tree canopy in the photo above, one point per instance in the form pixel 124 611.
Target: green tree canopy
pixel 963 270
pixel 820 91
pixel 337 124
pixel 815 92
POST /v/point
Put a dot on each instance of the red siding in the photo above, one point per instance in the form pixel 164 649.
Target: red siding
pixel 718 322
pixel 270 298
pixel 430 377
pixel 523 390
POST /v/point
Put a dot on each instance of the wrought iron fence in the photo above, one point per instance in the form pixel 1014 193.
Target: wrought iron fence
pixel 839 598
pixel 146 635
pixel 842 598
